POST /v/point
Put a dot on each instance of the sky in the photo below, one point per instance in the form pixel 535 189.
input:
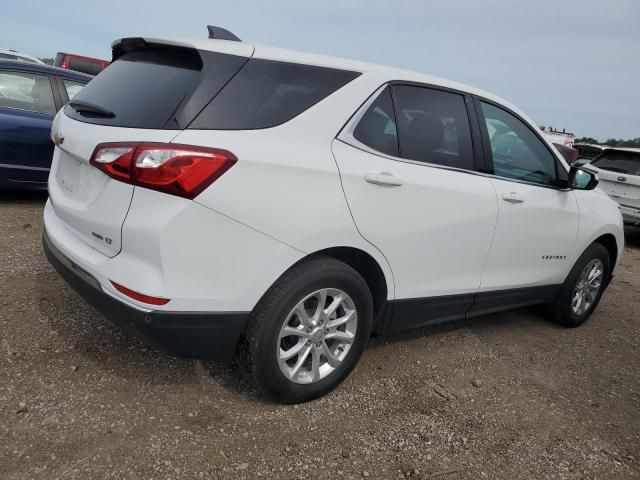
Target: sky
pixel 570 64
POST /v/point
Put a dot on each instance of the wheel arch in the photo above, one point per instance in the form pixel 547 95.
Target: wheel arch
pixel 372 272
pixel 608 241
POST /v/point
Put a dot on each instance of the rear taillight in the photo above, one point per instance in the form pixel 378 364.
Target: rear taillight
pixel 182 170
pixel 65 63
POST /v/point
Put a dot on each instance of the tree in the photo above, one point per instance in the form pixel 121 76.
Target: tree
pixel 612 142
pixel 585 140
pixel 48 61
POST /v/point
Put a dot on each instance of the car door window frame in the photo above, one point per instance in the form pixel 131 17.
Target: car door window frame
pixel 62 91
pixel 57 93
pixel 488 155
pixel 54 90
pixel 346 133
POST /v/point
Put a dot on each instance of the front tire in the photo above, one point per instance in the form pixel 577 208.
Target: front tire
pixel 308 331
pixel 583 288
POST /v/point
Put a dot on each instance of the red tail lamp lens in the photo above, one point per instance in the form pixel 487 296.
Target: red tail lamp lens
pixel 181 170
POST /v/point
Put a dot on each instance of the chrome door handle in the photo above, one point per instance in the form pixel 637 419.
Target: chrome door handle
pixel 622 179
pixel 512 197
pixel 382 178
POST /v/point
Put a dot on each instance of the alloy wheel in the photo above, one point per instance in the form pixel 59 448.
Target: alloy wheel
pixel 317 335
pixel 587 288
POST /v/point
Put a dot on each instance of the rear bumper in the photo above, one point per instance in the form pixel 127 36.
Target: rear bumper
pixel 191 334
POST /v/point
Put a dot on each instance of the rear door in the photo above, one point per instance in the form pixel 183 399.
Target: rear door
pixel 409 177
pixel 27 107
pixel 147 95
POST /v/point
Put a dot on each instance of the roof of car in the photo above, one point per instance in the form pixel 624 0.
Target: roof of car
pixel 15 53
pixel 590 145
pixel 285 55
pixel 46 69
pixel 623 149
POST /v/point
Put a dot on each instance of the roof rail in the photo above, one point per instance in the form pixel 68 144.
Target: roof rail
pixel 220 33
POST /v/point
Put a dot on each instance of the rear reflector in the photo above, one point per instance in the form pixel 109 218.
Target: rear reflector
pixel 141 297
pixel 182 170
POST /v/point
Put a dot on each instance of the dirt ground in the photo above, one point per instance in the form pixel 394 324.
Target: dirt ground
pixel 505 396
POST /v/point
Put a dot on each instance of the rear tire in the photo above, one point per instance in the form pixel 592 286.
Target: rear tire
pixel 578 297
pixel 289 319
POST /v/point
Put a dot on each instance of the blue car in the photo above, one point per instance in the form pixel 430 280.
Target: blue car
pixel 30 96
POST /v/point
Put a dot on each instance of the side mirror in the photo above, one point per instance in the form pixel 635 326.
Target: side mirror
pixel 581 179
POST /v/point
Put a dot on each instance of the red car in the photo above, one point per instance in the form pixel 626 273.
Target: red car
pixel 570 154
pixel 79 63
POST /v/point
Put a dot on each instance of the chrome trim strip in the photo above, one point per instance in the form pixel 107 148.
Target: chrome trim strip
pixel 27 110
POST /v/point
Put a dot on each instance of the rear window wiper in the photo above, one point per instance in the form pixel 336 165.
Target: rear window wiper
pixel 87 107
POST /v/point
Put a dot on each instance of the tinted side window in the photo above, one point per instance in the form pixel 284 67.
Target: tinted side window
pixel 619 162
pixel 377 128
pixel 26 91
pixel 517 152
pixel 433 126
pixel 266 93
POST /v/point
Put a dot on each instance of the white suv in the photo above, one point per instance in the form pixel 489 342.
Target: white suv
pixel 619 172
pixel 228 198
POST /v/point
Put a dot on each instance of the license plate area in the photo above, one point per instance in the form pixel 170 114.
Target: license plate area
pixel 69 172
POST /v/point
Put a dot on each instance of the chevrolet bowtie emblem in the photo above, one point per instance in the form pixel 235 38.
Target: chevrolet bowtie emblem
pixel 58 139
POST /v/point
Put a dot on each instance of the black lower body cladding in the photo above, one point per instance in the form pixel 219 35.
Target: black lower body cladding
pixel 190 334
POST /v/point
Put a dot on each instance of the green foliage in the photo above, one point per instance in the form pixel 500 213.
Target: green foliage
pixel 48 61
pixel 585 140
pixel 633 143
pixel 612 142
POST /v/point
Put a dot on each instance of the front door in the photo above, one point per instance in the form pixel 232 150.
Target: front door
pixel 534 243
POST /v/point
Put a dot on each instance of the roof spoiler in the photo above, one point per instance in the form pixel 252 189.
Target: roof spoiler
pixel 220 33
pixel 131 44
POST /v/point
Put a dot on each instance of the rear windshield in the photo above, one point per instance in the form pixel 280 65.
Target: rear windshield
pixel 143 89
pixel 267 93
pixel 179 88
pixel 620 162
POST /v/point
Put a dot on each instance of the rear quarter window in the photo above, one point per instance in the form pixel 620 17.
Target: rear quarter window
pixel 267 93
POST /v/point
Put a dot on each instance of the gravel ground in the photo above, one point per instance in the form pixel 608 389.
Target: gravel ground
pixel 504 396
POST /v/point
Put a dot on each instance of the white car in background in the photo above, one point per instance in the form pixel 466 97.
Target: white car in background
pixel 619 173
pixel 587 152
pixel 6 54
pixel 230 198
